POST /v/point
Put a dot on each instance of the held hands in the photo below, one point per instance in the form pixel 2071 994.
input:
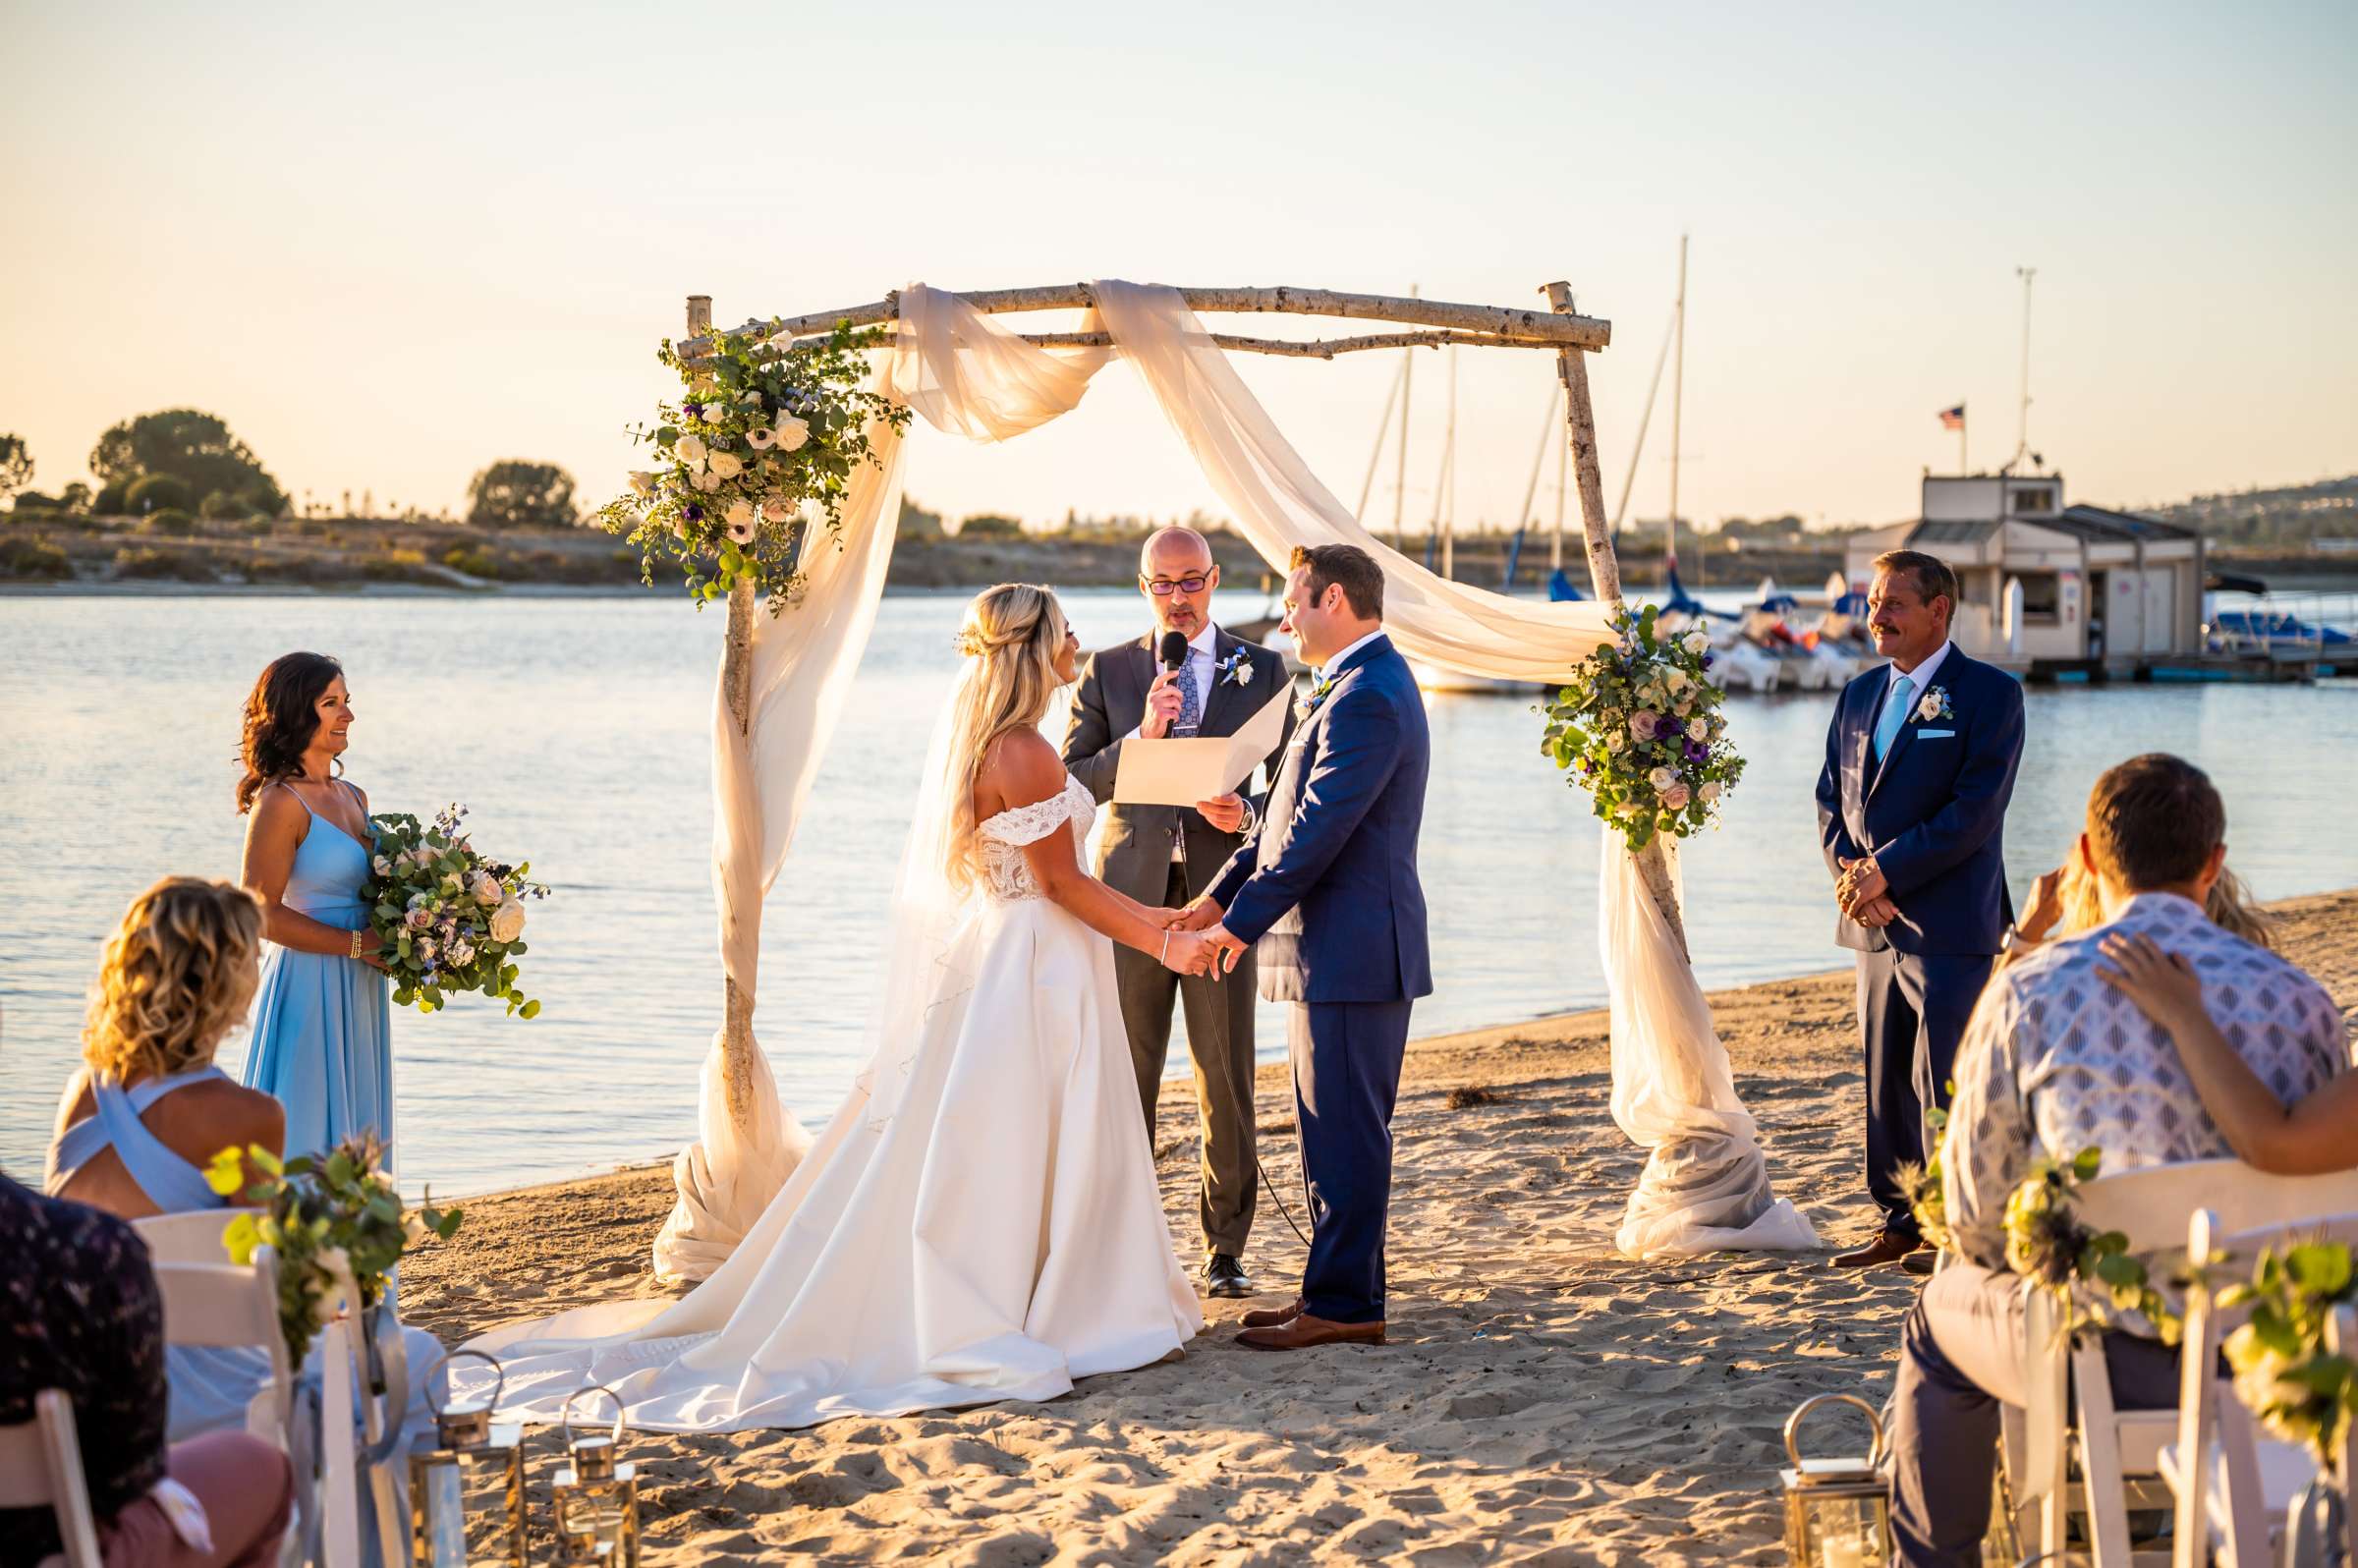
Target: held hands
pixel 1187 952
pixel 1197 944
pixel 1164 701
pixel 2163 985
pixel 1201 916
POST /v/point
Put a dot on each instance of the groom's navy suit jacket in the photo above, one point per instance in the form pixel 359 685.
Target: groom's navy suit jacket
pixel 1933 815
pixel 1328 884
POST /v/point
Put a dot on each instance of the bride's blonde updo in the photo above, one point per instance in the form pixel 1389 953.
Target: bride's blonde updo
pixel 177 975
pixel 1010 638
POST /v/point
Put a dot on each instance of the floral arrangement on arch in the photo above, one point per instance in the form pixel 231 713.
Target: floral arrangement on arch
pixel 1640 727
pixel 759 428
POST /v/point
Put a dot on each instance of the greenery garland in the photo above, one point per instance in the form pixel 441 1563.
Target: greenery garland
pixel 1640 726
pixel 2047 1244
pixel 313 1209
pixel 760 432
pixel 2284 1374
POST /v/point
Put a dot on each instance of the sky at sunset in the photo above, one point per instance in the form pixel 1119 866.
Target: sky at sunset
pixel 391 244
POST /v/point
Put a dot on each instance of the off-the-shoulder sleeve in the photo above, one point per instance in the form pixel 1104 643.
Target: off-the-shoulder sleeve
pixel 1028 824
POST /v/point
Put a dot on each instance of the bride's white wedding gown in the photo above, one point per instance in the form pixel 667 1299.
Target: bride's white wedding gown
pixel 980 1222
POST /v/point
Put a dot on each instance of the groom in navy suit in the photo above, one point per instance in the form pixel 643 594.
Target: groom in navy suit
pixel 1920 765
pixel 1328 889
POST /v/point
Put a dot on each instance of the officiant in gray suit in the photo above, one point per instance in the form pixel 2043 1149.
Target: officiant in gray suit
pixel 1166 855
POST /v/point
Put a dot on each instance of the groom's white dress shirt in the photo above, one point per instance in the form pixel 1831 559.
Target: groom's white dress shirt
pixel 2056 1060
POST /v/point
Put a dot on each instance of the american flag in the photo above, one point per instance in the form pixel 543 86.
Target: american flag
pixel 1953 419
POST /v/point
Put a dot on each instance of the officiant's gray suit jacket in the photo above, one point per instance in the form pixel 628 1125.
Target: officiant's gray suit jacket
pixel 1134 857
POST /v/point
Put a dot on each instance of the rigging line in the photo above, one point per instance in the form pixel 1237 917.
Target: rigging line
pixel 1383 426
pixel 1638 448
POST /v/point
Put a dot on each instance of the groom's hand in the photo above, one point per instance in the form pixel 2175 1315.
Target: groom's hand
pixel 1862 883
pixel 1226 949
pixel 1877 912
pixel 1227 812
pixel 1201 916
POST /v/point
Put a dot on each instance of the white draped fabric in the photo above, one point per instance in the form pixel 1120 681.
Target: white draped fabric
pixel 965 372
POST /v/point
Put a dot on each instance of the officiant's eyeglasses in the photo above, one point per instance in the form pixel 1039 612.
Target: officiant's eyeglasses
pixel 1162 587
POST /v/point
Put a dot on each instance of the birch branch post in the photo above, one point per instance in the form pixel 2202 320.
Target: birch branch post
pixel 737 687
pixel 1604 570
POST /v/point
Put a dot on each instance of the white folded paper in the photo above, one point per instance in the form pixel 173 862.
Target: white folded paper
pixel 1198 768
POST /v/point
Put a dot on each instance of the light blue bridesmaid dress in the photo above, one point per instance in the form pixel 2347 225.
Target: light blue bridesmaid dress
pixel 322 1043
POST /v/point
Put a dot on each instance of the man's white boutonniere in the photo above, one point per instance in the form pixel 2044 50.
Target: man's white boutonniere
pixel 1936 706
pixel 1235 669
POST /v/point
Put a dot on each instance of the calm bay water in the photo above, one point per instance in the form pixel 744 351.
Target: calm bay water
pixel 578 730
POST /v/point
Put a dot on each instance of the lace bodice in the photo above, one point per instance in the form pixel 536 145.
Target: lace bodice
pixel 1006 874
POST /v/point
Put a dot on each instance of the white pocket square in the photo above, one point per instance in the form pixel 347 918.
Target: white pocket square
pixel 1935 734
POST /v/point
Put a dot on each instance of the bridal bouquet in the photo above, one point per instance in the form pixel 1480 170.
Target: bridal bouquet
pixel 1640 725
pixel 761 426
pixel 447 918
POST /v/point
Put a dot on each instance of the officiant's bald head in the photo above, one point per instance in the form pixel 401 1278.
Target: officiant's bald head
pixel 1176 573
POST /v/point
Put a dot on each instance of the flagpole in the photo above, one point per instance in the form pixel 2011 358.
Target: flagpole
pixel 1962 468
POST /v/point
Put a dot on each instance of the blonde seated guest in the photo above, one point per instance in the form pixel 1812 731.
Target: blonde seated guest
pixel 144 1115
pixel 2069 900
pixel 2057 1058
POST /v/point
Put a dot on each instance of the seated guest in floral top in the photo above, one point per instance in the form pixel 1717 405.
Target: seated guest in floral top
pixel 2059 1057
pixel 80 1312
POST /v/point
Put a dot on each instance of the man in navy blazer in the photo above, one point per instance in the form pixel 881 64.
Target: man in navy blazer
pixel 1920 765
pixel 1326 890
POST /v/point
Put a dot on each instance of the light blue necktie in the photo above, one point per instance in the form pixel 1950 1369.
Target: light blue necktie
pixel 1895 713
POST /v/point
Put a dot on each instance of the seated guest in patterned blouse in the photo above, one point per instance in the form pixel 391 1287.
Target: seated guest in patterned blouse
pixel 2060 1057
pixel 80 1312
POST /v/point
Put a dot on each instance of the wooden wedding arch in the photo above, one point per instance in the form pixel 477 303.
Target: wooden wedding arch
pixel 1558 328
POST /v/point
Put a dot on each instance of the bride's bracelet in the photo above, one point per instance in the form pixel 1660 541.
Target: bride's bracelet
pixel 1167 946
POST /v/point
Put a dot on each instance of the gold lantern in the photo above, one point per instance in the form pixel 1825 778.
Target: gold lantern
pixel 595 1496
pixel 1838 1511
pixel 466 1445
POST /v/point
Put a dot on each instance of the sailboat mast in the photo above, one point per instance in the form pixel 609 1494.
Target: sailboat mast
pixel 1450 469
pixel 1678 383
pixel 2022 438
pixel 1408 370
pixel 1555 547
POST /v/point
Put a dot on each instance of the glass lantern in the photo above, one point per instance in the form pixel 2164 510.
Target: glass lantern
pixel 596 1495
pixel 1838 1511
pixel 471 1455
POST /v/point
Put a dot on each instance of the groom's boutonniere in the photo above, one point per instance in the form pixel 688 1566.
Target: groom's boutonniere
pixel 1236 669
pixel 1936 706
pixel 1308 705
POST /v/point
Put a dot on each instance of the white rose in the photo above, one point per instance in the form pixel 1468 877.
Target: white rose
pixel 1929 707
pixel 1676 680
pixel 792 433
pixel 643 482
pixel 1614 741
pixel 488 890
pixel 690 447
pixel 707 482
pixel 1711 790
pixel 716 415
pixel 1675 797
pixel 761 437
pixel 1697 729
pixel 424 948
pixel 776 508
pixel 381 865
pixel 462 952
pixel 1661 778
pixel 728 465
pixel 507 921
pixel 1697 642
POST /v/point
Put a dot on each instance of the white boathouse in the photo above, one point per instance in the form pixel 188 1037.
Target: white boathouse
pixel 2109 592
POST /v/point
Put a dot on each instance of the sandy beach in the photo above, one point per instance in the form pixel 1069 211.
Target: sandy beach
pixel 1542 1400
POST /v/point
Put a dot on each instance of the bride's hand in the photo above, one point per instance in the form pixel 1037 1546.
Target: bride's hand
pixel 373 954
pixel 1187 952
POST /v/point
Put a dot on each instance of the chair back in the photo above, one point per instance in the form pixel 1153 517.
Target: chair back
pixel 192 1236
pixel 226 1304
pixel 40 1463
pixel 2208 1408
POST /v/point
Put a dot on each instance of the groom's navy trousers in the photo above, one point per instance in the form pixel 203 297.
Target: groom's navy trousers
pixel 1329 890
pixel 1931 812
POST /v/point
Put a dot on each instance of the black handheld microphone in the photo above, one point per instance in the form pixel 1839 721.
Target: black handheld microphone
pixel 1174 649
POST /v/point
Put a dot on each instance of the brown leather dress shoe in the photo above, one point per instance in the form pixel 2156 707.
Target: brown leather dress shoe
pixel 1302 1331
pixel 1272 1316
pixel 1888 1246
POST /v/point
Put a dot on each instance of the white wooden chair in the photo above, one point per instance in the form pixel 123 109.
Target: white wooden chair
pixel 2236 1493
pixel 191 1237
pixel 2152 1207
pixel 40 1466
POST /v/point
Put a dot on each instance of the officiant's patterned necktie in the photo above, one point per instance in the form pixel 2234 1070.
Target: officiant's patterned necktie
pixel 1895 713
pixel 1191 700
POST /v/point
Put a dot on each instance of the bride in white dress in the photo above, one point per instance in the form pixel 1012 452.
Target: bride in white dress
pixel 981 1221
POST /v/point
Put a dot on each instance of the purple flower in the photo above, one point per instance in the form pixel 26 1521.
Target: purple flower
pixel 1707 661
pixel 694 514
pixel 692 410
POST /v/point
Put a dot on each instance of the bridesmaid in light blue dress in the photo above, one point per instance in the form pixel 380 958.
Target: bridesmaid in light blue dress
pixel 322 1028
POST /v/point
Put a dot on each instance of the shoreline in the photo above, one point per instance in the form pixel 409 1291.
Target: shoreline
pixel 1539 1397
